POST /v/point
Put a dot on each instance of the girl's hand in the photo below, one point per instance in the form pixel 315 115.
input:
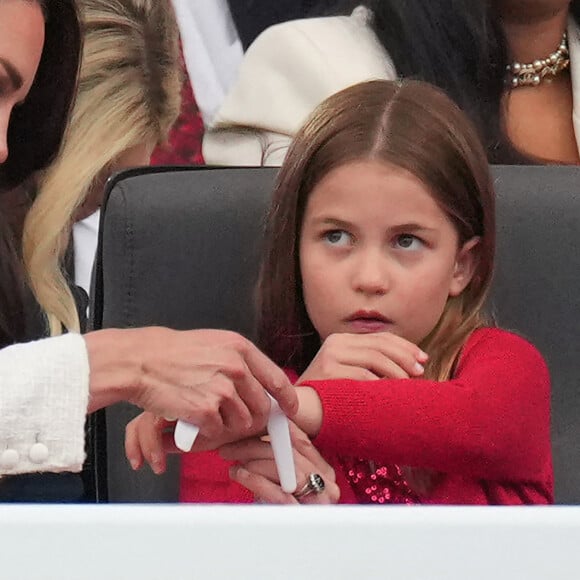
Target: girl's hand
pixel 365 357
pixel 256 469
pixel 148 439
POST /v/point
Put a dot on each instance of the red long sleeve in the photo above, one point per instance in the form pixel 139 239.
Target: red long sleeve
pixel 486 432
pixel 491 423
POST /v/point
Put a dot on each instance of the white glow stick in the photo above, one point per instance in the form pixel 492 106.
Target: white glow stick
pixel 185 435
pixel 279 432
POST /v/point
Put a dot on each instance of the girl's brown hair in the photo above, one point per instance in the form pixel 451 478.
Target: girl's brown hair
pixel 411 125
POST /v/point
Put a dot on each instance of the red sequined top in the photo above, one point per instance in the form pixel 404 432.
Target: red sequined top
pixel 485 435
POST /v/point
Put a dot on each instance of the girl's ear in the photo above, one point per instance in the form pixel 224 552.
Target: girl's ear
pixel 465 265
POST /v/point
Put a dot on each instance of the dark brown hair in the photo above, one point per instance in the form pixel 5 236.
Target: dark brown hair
pixel 34 137
pixel 413 126
pixel 36 127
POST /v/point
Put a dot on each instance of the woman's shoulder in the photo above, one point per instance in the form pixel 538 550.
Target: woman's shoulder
pixel 493 344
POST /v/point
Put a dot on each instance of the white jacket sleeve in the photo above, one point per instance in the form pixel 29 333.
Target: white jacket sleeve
pixel 289 70
pixel 44 390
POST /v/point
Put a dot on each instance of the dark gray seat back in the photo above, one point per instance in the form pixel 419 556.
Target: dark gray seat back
pixel 536 292
pixel 180 248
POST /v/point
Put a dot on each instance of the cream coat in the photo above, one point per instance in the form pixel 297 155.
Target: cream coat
pixel 291 68
pixel 44 389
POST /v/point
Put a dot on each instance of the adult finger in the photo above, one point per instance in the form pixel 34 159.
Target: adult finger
pixel 267 470
pixel 235 414
pixel 272 378
pixel 330 495
pixel 253 396
pixel 263 488
pixel 202 404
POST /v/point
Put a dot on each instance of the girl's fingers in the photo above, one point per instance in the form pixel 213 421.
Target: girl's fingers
pixel 151 437
pixel 374 362
pixel 388 347
pixel 379 355
pixel 356 372
pixel 132 447
pixel 168 438
pixel 405 354
pixel 144 440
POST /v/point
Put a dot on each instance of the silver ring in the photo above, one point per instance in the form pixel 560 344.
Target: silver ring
pixel 314 484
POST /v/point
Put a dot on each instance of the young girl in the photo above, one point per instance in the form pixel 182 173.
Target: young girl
pixel 379 256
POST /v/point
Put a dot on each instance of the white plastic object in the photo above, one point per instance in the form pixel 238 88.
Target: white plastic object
pixel 185 435
pixel 279 433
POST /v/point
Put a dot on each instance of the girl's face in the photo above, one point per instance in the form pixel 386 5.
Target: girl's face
pixel 21 42
pixel 377 254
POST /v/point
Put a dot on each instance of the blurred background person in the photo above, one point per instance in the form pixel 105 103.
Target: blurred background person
pixel 512 65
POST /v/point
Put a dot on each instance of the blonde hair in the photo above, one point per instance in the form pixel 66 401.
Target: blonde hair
pixel 128 95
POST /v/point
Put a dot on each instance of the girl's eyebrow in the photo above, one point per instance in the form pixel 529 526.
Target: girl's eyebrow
pixel 411 227
pixel 331 221
pixel 405 227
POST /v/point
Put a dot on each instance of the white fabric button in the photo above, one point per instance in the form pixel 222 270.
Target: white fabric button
pixel 38 453
pixel 9 459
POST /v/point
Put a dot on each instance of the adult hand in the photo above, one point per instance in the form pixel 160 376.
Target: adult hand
pixel 256 469
pixel 215 379
pixel 366 357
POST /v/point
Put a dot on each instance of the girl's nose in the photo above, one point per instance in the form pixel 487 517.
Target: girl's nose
pixel 371 275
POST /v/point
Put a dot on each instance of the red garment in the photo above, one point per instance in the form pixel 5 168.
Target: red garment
pixel 186 135
pixel 485 434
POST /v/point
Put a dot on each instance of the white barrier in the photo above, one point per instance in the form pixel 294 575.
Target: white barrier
pixel 111 542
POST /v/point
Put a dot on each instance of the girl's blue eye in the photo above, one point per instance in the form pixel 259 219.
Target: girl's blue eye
pixel 408 242
pixel 337 237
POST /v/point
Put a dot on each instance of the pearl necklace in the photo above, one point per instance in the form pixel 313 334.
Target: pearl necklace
pixel 532 74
